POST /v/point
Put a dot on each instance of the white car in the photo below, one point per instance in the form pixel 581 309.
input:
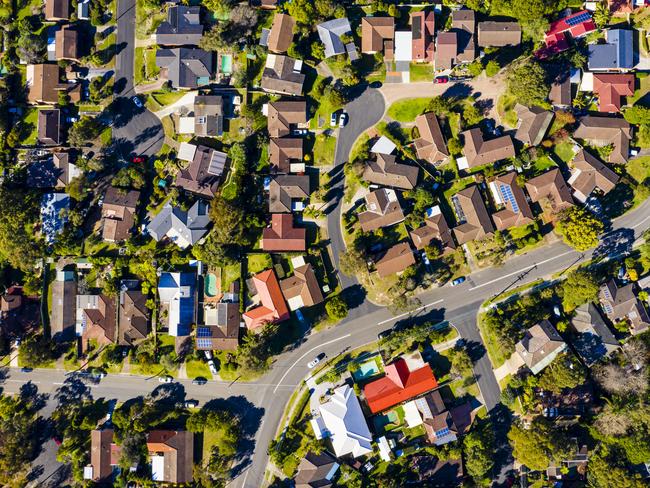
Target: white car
pixel 191 404
pixel 165 379
pixel 213 368
pixel 333 120
pixel 208 354
pixel 316 360
pixel 137 102
pixel 344 120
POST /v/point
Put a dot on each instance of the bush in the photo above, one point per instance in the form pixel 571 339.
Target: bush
pixel 492 68
pixel 336 308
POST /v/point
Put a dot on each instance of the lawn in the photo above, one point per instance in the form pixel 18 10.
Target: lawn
pixel 167 97
pixel 407 110
pixel 639 168
pixel 495 352
pixel 168 127
pixel 138 71
pixel 542 164
pixel 421 72
pixel 229 274
pixel 505 109
pixel 196 368
pixel 564 151
pixel 106 136
pixel 324 149
pixel 642 90
pixel 150 63
pixel 29 127
pixel 259 262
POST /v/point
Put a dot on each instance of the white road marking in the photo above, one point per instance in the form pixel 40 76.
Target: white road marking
pixel 302 357
pixel 22 381
pixel 639 224
pixel 408 313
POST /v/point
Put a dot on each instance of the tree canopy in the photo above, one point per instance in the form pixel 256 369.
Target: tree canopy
pixel 579 228
pixel 536 446
pixel 527 83
pixel 564 372
pixel 578 288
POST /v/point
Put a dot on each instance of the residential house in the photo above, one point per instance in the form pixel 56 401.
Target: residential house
pixel 271 307
pixel 498 34
pixel 302 289
pixel 118 213
pixel 287 193
pixel 281 35
pixel 621 303
pixel 66 43
pixel 282 75
pixel 474 220
pixel 316 471
pixel 177 292
pixel 282 235
pixel 431 145
pixel 378 35
pixel 603 131
pixel 593 340
pixel 185 68
pixel 540 345
pixel 342 420
pixel 382 209
pixel 54 215
pixel 446 50
pixel 44 84
pixel 208 115
pixel 64 296
pixel 386 171
pixel 395 260
pixel 184 228
pixel 610 88
pixel 506 191
pixel 220 330
pixel 589 173
pixel 104 456
pixel 442 425
pixel 617 54
pixel 171 455
pixel 463 23
pixel 557 37
pixel 268 4
pixel 56 10
pixel 435 228
pixel 560 93
pixel 423 28
pixel 54 172
pixel 383 145
pixel 550 190
pixel 96 320
pixel 622 7
pixel 478 151
pixel 182 27
pixel 533 124
pixel 285 154
pixel 284 115
pixel 133 315
pixel 331 34
pixel 49 127
pixel 400 384
pixel 18 312
pixel 203 174
pixel 430 471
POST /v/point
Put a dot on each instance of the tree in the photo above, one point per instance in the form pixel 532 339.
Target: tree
pixel 475 68
pixel 31 47
pixel 564 372
pixel 607 469
pixel 19 209
pixel 637 115
pixel 19 439
pixel 527 83
pixel 492 68
pixel 602 14
pixel 461 362
pixel 579 228
pixel 615 379
pixel 221 8
pixel 84 131
pixel 578 288
pixel 78 188
pixel 336 308
pixel 541 443
pixel 132 450
pixel 479 446
pixel 472 115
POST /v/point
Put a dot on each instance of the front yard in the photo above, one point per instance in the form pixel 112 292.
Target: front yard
pixel 407 110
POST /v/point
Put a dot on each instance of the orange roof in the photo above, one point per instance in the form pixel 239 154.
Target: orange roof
pixel 399 385
pixel 282 235
pixel 610 88
pixel 272 308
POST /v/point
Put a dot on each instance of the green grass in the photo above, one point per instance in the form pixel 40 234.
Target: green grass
pixel 639 168
pixel 421 72
pixel 106 136
pixel 505 109
pixel 229 274
pixel 168 127
pixel 641 91
pixel 543 163
pixel 89 107
pixel 26 11
pixel 407 110
pixel 196 368
pixel 495 353
pixel 150 64
pixel 29 127
pixel 564 151
pixel 167 98
pixel 259 262
pixel 138 70
pixel 324 149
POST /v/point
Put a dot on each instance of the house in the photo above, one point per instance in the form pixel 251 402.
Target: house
pixel 302 289
pixel 593 340
pixel 96 320
pixel 118 213
pixel 610 88
pixel 506 191
pixel 401 383
pixel 203 174
pixel 182 27
pixel 184 228
pixel 533 124
pixel 44 84
pixel 617 54
pixel 83 10
pixel 382 209
pixel 472 215
pixel 271 308
pixel 56 10
pixel 550 190
pixel 383 145
pixel 431 145
pixel 540 345
pixel 331 34
pixel 589 173
pixel 104 455
pixel 281 35
pixel 432 471
pixel 378 35
pixel 282 75
pixel 560 93
pixel 498 34
pixel 557 37
pixel 171 455
pixel 66 43
pixel 344 423
pixel 54 172
pixel 621 303
pixel 386 171
pixel 441 424
pixel 423 28
pixel 185 68
pixel 435 228
pixel 220 330
pixel 622 7
pixel 395 260
pixel 177 292
pixel 284 115
pixel 133 315
pixel 446 50
pixel 18 312
pixel 316 471
pixel 287 193
pixel 208 115
pixel 285 154
pixel 49 127
pixel 478 151
pixel 62 317
pixel 603 131
pixel 54 215
pixel 463 23
pixel 282 235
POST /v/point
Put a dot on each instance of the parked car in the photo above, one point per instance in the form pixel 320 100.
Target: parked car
pixel 208 354
pixel 213 368
pixel 191 404
pixel 343 120
pixel 441 79
pixel 165 379
pixel 138 159
pixel 26 370
pixel 300 132
pixel 333 119
pixel 199 380
pixel 458 281
pixel 425 259
pixel 137 102
pixel 316 360
pixel 72 119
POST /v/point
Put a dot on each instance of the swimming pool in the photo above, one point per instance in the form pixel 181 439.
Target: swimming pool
pixel 366 370
pixel 226 64
pixel 210 285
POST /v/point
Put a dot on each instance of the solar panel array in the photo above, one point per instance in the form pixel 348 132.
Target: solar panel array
pixel 203 332
pixel 442 432
pixel 578 19
pixel 506 192
pixel 204 343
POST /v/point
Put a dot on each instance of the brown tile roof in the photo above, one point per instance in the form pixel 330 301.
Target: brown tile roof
pixel 133 317
pixel 101 321
pixel 221 329
pixel 387 171
pixel 203 174
pixel 49 127
pixel 431 145
pixel 118 212
pixel 434 227
pixel 498 34
pixel 280 75
pixel 315 471
pixel 54 172
pixel 560 94
pixel 382 209
pixel 446 50
pixel 588 174
pixel 377 34
pixel 397 259
pixel 66 41
pixel 479 151
pixel 101 442
pixel 208 115
pixel 177 449
pixel 57 9
pixel 284 189
pixel 471 212
pixel 516 213
pixel 610 88
pixel 281 35
pixel 283 152
pixel 283 114
pixel 533 124
pixel 602 131
pixel 551 186
pixel 45 84
pixel 621 303
pixel 541 343
pixel 302 288
pixel 282 235
pixel 422 31
pixel 464 23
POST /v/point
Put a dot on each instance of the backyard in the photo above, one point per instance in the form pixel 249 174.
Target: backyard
pixel 324 149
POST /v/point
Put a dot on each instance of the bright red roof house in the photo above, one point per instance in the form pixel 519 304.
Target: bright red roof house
pixel 272 307
pixel 399 385
pixel 578 25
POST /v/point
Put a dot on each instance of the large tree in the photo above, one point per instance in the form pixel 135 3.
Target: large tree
pixel 527 83
pixel 539 444
pixel 579 287
pixel 479 453
pixel 579 228
pixel 564 372
pixel 18 213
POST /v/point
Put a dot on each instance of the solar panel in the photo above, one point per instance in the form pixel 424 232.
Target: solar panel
pixel 204 343
pixel 608 308
pixel 506 192
pixel 203 332
pixel 442 433
pixel 578 19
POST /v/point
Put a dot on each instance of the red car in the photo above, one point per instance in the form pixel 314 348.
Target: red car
pixel 137 159
pixel 441 79
pixel 57 440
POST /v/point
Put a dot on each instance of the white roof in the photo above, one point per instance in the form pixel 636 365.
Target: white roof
pixel 295 303
pixel 343 418
pixel 495 193
pixel 383 146
pixel 462 163
pixel 403 46
pixel 297 261
pixel 88 470
pixel 433 211
pixel 186 151
pixel 158 468
pixel 186 125
pixel 318 427
pixel 412 414
pixel 384 448
pixel 587 83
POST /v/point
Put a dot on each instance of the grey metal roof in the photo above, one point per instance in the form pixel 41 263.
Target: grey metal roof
pixel 191 225
pixel 330 33
pixel 186 68
pixel 617 53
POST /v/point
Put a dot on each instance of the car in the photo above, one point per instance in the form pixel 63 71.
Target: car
pixel 300 132
pixel 199 380
pixel 72 119
pixel 57 440
pixel 425 258
pixel 212 367
pixel 137 102
pixel 17 342
pixel 26 370
pixel 333 119
pixel 316 360
pixel 208 354
pixel 458 281
pixel 441 79
pixel 191 404
pixel 384 334
pixel 343 120
pixel 165 379
pixel 138 159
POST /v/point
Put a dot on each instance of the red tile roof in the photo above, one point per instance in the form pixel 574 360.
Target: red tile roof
pixel 610 88
pixel 556 39
pixel 272 307
pixel 399 385
pixel 282 235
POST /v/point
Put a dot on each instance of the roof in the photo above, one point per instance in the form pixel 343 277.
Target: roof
pixel 435 227
pixel 588 174
pixel 302 289
pixel 474 219
pixel 593 340
pixel 272 307
pixel 423 29
pixel 431 145
pixel 204 172
pixel 282 235
pixel 285 151
pixel 177 450
pixel 577 24
pixel 395 260
pixel 282 75
pixel 182 27
pixel 185 67
pixel 507 191
pixel 64 299
pixel 622 303
pixel 101 442
pixel 551 186
pixel 382 209
pixel 344 419
pixel 479 151
pixel 49 127
pixel 316 471
pixel 385 170
pixel 540 345
pixel 560 93
pixel 44 84
pixel 610 88
pixel 177 290
pixel 446 50
pixel 184 228
pixel 283 114
pixel 602 131
pixel 285 189
pixel 383 145
pixel 133 317
pixel 57 9
pixel 99 318
pixel 54 172
pixel 54 214
pixel 330 33
pixel 377 34
pixel 399 385
pixel 66 41
pixel 281 35
pixel 498 34
pixel 118 212
pixel 208 115
pixel 220 331
pixel 533 124
pixel 616 54
pixel 463 22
